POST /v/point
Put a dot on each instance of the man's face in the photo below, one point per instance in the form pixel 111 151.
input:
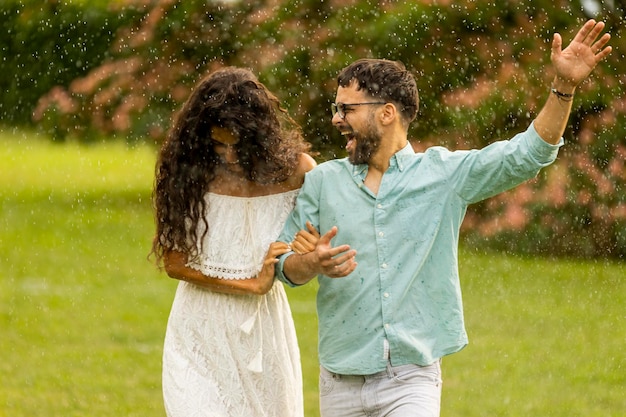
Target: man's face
pixel 358 124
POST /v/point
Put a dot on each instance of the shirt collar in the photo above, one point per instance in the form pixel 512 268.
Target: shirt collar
pixel 399 157
pixel 360 170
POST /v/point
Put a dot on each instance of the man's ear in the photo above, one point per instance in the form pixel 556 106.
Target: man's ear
pixel 388 114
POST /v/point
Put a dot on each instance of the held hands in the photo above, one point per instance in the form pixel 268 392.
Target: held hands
pixel 329 263
pixel 323 259
pixel 574 63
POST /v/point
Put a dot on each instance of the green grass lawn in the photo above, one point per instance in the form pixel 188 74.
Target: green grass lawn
pixel 83 312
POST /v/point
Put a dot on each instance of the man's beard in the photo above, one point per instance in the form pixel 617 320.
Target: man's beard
pixel 366 145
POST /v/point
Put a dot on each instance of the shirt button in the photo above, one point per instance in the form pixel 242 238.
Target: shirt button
pixel 384 265
pixel 386 295
pixel 386 325
pixel 381 234
pixel 379 205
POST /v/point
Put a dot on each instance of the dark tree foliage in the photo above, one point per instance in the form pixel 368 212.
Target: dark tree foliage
pixel 45 44
pixel 483 72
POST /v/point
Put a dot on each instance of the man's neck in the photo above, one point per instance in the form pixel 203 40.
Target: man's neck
pixel 378 165
pixel 380 161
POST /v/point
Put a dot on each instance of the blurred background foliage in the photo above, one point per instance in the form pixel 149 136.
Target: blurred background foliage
pixel 84 70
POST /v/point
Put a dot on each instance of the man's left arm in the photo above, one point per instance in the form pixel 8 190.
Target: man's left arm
pixel 572 65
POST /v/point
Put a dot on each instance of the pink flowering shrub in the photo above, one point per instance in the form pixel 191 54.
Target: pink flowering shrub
pixel 483 73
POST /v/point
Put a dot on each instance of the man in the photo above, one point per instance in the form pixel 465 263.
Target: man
pixel 389 300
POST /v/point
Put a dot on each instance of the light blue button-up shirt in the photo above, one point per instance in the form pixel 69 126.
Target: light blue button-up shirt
pixel 403 301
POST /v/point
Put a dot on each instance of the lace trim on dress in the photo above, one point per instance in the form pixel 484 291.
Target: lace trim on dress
pixel 234 247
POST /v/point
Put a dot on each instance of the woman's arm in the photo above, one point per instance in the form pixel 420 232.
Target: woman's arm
pixel 175 264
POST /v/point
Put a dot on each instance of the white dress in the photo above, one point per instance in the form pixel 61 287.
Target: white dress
pixel 234 355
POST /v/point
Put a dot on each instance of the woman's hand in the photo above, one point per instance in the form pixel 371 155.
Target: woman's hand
pixel 305 240
pixel 265 278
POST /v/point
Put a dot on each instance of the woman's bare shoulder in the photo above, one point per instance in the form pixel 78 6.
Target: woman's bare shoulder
pixel 306 163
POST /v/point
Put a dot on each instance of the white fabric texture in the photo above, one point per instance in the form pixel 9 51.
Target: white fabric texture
pixel 234 355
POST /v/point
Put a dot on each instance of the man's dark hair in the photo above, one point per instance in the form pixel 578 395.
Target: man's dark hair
pixel 384 79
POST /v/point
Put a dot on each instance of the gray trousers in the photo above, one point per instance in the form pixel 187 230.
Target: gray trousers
pixel 399 391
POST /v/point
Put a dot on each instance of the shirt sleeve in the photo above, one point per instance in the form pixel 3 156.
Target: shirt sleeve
pixel 500 166
pixel 306 208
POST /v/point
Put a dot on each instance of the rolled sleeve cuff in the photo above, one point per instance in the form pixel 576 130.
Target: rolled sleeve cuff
pixel 544 152
pixel 280 273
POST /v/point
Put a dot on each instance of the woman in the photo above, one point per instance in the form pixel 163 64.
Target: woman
pixel 226 178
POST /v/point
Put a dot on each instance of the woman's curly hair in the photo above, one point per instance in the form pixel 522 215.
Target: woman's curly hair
pixel 270 143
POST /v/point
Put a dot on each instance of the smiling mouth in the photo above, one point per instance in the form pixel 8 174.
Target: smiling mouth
pixel 350 140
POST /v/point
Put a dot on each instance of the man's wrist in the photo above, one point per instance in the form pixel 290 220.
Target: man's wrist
pixel 563 87
pixel 561 95
pixel 299 269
